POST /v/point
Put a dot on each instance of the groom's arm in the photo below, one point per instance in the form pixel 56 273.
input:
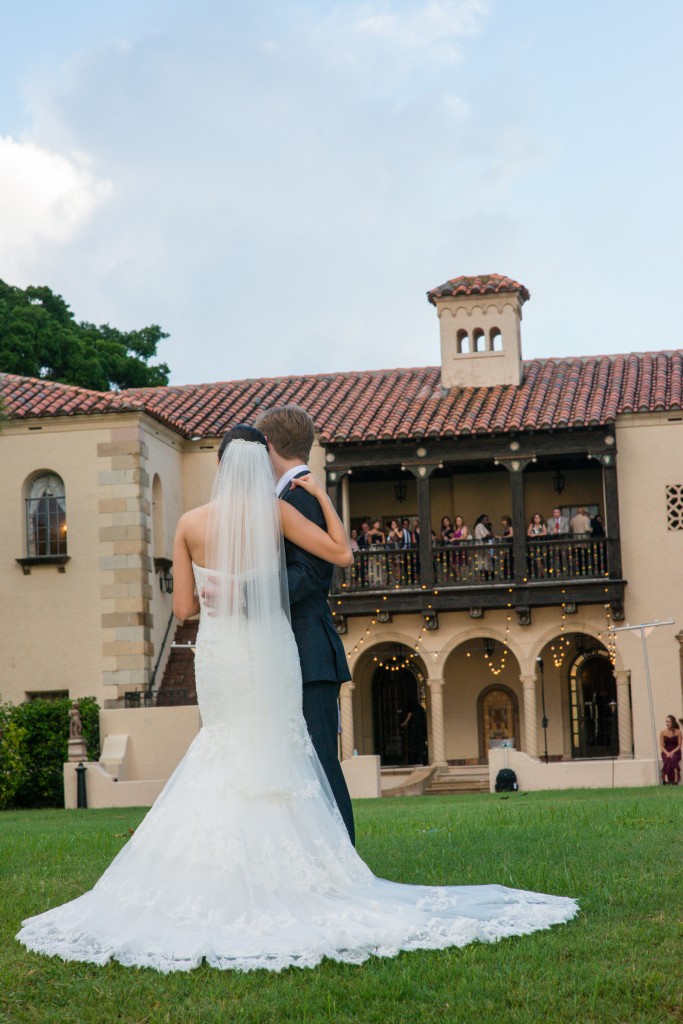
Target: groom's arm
pixel 306 574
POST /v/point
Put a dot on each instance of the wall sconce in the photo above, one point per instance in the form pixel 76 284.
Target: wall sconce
pixel 163 566
pixel 558 481
pixel 400 492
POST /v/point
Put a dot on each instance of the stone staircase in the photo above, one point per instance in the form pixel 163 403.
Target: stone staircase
pixel 466 778
pixel 178 685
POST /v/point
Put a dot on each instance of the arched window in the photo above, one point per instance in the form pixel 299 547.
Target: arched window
pixel 157 518
pixel 463 342
pixel 495 340
pixel 45 516
pixel 478 340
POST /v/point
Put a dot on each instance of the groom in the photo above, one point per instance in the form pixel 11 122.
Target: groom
pixel 289 430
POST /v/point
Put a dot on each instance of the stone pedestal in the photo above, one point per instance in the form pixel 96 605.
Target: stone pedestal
pixel 77 750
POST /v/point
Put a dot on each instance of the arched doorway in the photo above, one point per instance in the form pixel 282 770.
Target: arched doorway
pixel 497 719
pixel 396 689
pixel 593 706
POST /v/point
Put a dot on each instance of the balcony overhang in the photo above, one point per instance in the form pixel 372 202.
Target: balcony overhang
pixel 413 600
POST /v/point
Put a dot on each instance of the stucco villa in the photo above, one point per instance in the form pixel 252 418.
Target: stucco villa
pixel 507 644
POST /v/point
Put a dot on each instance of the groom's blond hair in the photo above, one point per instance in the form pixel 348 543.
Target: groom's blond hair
pixel 289 429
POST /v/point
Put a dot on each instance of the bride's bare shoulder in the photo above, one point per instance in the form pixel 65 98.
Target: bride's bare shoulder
pixel 193 520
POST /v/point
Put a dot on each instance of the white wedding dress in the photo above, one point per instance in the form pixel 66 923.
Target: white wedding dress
pixel 244 860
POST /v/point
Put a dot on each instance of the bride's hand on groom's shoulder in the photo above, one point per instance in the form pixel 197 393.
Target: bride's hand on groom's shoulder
pixel 309 483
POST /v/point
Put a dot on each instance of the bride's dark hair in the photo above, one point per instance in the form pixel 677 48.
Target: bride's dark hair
pixel 242 432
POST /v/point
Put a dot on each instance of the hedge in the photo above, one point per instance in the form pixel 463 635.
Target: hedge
pixel 34 746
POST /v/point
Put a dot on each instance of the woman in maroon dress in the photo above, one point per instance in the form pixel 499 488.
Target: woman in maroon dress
pixel 670 744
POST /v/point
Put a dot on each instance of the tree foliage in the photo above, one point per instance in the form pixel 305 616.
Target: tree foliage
pixel 41 748
pixel 39 337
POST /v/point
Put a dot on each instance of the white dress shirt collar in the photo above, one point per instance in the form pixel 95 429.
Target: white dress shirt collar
pixel 287 477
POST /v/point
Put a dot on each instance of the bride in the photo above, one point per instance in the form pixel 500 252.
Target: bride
pixel 244 860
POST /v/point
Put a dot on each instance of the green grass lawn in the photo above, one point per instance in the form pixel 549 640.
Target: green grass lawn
pixel 619 852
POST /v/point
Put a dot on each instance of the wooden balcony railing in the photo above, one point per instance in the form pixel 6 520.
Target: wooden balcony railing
pixel 472 564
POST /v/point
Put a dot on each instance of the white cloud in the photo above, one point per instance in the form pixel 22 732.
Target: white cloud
pixel 45 197
pixel 426 27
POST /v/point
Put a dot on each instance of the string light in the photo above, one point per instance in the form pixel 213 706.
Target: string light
pixel 373 622
pixel 394 663
pixel 611 637
pixel 558 652
pixel 496 670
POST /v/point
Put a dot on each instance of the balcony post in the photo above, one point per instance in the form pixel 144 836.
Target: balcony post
pixel 437 754
pixel 346 708
pixel 334 489
pixel 422 473
pixel 624 722
pixel 515 468
pixel 530 716
pixel 611 493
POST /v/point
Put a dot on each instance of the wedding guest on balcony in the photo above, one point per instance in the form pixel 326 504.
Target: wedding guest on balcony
pixel 394 534
pixel 460 535
pixel 670 745
pixel 363 541
pixel 558 529
pixel 353 541
pixel 537 526
pixel 483 535
pixel 395 563
pixel 407 539
pixel 460 530
pixel 376 534
pixel 558 525
pixel 598 534
pixel 377 566
pixel 415 530
pixel 597 526
pixel 580 524
pixel 507 533
pixel 364 536
pixel 446 530
pixel 536 559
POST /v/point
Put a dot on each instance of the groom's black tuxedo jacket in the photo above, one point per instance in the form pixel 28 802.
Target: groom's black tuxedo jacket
pixel 308 578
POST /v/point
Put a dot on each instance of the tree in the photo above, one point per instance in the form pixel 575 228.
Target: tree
pixel 39 337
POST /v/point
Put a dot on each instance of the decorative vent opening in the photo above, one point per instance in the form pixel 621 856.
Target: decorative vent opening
pixel 674 506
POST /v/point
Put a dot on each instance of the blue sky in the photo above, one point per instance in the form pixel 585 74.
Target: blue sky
pixel 278 184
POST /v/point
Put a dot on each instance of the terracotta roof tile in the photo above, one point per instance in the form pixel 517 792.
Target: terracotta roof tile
pixel 481 284
pixel 387 405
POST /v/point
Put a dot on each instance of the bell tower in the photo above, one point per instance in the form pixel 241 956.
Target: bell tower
pixel 479 318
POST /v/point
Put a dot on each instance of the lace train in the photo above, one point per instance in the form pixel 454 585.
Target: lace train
pixel 244 860
pixel 265 880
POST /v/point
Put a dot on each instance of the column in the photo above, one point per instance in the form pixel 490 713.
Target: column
pixel 530 716
pixel 611 492
pixel 424 511
pixel 346 503
pixel 624 721
pixel 438 751
pixel 516 472
pixel 334 489
pixel 346 707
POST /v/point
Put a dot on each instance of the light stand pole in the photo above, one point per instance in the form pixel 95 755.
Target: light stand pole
pixel 613 709
pixel 544 720
pixel 641 628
